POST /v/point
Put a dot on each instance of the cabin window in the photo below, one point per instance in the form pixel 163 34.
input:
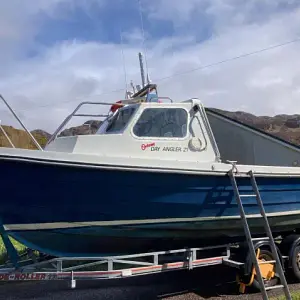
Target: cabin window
pixel 120 120
pixel 162 122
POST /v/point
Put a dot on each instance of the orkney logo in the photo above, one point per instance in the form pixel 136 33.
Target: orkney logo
pixel 145 146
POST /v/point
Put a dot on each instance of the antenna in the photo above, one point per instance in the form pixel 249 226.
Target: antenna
pixel 124 66
pixel 143 43
pixel 132 86
pixel 142 68
pixel 148 78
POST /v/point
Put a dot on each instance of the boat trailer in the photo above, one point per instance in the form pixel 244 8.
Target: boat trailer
pixel 96 268
pixel 37 267
pixel 82 268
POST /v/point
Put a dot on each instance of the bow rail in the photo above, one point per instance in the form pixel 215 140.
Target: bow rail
pixel 21 123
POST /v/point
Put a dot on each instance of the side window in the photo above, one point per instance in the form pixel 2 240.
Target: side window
pixel 120 120
pixel 162 122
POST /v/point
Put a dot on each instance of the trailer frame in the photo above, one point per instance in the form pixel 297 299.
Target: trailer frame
pixel 71 268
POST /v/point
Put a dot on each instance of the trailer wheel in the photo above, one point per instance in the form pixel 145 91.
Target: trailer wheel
pixel 268 270
pixel 295 262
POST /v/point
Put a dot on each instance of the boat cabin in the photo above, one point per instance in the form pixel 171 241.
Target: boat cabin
pixel 154 129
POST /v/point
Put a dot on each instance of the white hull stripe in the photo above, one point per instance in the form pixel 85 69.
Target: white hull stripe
pixel 61 225
pixel 260 171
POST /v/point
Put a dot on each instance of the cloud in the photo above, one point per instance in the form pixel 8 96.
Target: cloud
pixel 46 86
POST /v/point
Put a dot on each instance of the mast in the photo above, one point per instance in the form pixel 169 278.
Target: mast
pixel 142 69
pixel 146 87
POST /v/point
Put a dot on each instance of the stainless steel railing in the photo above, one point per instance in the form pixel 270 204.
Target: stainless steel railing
pixel 74 113
pixel 21 123
pixel 6 136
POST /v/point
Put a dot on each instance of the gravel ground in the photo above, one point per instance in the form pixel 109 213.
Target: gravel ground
pixel 207 283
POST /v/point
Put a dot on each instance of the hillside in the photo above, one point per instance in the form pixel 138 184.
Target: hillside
pixel 21 139
pixel 89 127
pixel 286 127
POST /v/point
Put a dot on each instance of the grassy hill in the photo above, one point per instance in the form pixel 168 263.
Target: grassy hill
pixel 21 139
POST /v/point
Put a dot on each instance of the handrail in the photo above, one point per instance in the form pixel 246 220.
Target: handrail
pixel 210 132
pixel 73 114
pixel 202 131
pixel 69 117
pixel 167 98
pixel 7 137
pixel 21 123
pixel 90 115
pixel 158 97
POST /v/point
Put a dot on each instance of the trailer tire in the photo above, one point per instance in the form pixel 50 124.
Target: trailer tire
pixel 271 282
pixel 295 262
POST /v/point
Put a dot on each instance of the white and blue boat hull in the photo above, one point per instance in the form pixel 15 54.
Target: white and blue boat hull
pixel 70 210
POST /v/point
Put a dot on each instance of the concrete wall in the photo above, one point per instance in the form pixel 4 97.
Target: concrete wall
pixel 249 146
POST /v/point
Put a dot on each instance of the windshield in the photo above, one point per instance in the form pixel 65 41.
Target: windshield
pixel 118 122
pixel 162 122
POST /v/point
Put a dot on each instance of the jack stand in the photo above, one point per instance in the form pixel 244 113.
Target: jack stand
pixel 73 282
pixel 11 251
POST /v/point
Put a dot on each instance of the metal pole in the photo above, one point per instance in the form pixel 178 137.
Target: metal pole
pixel 7 137
pixel 142 68
pixel 24 127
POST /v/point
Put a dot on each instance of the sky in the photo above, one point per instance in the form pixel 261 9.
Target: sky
pixel 57 53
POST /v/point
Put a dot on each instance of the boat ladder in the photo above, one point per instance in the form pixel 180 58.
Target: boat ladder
pixel 279 269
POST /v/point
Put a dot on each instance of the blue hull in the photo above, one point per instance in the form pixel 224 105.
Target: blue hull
pixel 35 193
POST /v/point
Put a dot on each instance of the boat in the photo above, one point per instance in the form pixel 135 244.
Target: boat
pixel 153 177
